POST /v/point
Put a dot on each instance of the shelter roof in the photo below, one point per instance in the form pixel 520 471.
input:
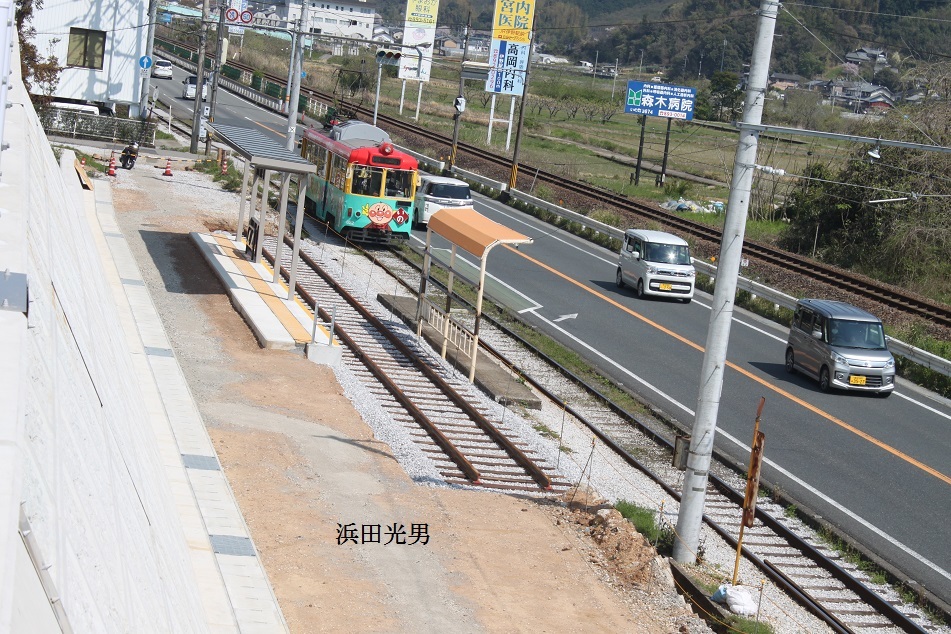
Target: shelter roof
pixel 261 151
pixel 472 231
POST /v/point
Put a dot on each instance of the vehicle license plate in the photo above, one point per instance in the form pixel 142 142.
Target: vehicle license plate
pixel 666 287
pixel 857 380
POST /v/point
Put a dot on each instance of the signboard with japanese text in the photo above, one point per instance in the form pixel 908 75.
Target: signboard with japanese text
pixel 419 32
pixel 660 100
pixel 511 46
pixel 513 20
pixel 508 62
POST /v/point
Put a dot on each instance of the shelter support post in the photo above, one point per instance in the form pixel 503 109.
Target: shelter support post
pixel 244 202
pixel 282 215
pixel 298 225
pixel 265 184
pixel 423 278
pixel 445 324
pixel 478 317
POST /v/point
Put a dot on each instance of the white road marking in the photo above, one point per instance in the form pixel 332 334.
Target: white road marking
pixel 564 317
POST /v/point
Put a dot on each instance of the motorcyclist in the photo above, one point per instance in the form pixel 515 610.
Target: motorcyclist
pixel 129 155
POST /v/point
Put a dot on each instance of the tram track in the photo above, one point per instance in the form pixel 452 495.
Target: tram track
pixel 420 393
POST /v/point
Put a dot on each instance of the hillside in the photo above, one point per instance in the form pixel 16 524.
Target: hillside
pixel 699 37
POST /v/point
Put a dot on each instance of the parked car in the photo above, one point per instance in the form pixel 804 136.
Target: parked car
pixel 188 88
pixel 841 346
pixel 162 69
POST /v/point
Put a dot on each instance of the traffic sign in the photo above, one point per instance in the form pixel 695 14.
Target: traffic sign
pixel 232 15
pixel 247 17
pixel 145 62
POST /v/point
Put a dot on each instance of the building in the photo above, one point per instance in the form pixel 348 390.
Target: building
pixel 338 18
pixel 99 45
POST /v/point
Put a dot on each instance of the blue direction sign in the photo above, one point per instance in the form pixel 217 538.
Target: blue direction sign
pixel 660 100
pixel 145 62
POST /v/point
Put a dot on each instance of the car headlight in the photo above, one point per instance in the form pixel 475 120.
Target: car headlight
pixel 652 270
pixel 890 363
pixel 839 359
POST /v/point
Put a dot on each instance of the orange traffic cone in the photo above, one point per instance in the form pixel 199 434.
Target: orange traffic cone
pixel 224 165
pixel 168 168
pixel 112 165
pixel 83 162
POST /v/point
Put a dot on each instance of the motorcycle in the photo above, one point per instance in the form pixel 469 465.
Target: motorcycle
pixel 129 155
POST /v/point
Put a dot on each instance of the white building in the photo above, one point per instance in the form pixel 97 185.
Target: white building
pixel 341 18
pixel 98 43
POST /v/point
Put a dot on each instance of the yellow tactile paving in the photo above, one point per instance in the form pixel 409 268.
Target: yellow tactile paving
pixel 275 303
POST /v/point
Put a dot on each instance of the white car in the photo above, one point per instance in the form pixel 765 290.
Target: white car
pixel 162 69
pixel 188 88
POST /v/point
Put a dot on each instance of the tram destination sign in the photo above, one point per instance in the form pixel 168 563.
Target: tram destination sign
pixel 660 100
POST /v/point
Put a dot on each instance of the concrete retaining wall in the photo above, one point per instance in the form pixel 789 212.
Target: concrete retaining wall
pixel 87 514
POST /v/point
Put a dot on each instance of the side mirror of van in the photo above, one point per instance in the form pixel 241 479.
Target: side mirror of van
pixel 817 334
pixel 636 255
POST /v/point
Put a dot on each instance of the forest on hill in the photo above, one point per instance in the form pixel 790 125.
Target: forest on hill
pixel 701 37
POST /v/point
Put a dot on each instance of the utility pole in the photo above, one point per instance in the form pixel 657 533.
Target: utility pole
pixel 722 55
pixel 700 65
pixel 297 62
pixel 640 67
pixel 457 117
pixel 149 49
pixel 513 177
pixel 687 536
pixel 200 80
pixel 221 53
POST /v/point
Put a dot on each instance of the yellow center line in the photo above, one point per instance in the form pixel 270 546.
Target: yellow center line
pixel 277 132
pixel 841 423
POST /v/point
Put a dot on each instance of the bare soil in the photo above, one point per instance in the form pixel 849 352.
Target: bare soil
pixel 302 462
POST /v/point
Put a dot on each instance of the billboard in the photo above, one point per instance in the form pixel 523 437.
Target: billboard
pixel 418 30
pixel 511 46
pixel 508 62
pixel 660 100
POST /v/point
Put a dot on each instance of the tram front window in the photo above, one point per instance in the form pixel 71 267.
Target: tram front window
pixel 399 183
pixel 367 181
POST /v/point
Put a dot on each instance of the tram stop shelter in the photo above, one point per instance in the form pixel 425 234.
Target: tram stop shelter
pixel 474 233
pixel 263 156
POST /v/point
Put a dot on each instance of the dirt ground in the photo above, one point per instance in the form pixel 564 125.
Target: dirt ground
pixel 302 462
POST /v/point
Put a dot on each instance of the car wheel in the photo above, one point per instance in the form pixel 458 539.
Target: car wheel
pixel 640 289
pixel 686 300
pixel 824 383
pixel 883 394
pixel 790 361
pixel 620 278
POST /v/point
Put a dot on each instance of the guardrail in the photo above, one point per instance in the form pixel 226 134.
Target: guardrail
pixel 480 179
pixel 433 164
pixel 899 348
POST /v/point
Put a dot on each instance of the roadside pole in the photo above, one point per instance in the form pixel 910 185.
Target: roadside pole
pixel 200 80
pixel 297 62
pixel 149 49
pixel 457 116
pixel 687 537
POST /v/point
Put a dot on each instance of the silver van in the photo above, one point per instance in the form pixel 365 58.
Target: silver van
pixel 439 192
pixel 656 263
pixel 841 346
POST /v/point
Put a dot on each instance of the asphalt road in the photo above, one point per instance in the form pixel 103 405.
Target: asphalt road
pixel 879 469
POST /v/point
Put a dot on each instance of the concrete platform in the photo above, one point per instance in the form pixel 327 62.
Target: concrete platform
pixel 490 376
pixel 276 322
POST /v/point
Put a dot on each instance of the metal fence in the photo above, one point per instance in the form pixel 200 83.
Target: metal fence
pixel 78 125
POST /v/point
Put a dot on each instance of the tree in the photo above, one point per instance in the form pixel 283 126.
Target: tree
pixel 725 94
pixel 38 72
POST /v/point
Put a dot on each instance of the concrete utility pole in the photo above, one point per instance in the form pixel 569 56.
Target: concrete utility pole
pixel 200 81
pixel 513 175
pixel 297 64
pixel 687 538
pixel 149 48
pixel 221 55
pixel 457 117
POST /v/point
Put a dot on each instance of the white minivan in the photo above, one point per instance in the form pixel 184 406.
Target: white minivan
pixel 656 263
pixel 439 192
